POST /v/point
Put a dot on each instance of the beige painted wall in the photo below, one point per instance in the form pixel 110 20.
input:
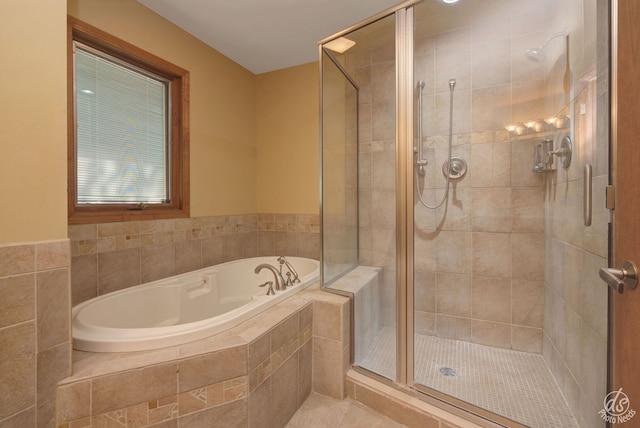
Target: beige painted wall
pixel 287 140
pixel 33 134
pixel 254 139
pixel 222 103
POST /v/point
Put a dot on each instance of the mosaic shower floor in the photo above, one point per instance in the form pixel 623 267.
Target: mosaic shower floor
pixel 517 385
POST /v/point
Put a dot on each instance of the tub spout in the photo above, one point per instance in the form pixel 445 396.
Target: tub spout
pixel 280 283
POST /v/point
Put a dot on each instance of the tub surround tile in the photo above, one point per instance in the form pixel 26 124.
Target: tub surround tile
pixel 108 393
pixel 17 299
pixel 52 255
pixel 53 308
pixel 260 405
pixel 208 380
pixel 74 401
pixel 118 270
pixel 17 368
pixel 17 259
pixel 284 392
pixel 84 277
pixel 25 418
pixel 34 330
pixel 134 248
pixel 212 368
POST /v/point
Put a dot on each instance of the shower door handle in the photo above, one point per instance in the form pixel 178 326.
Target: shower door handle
pixel 619 279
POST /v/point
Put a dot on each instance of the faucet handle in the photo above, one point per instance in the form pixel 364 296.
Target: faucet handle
pixel 269 284
pixel 288 282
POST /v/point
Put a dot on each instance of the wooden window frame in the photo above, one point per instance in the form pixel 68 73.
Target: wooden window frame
pixel 178 206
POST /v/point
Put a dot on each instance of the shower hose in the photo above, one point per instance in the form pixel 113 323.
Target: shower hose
pixel 452 84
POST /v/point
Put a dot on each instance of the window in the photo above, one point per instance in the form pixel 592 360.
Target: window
pixel 128 131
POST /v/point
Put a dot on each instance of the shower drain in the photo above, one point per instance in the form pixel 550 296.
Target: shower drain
pixel 447 371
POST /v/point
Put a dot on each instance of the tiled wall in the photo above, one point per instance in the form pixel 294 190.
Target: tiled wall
pixel 479 258
pixel 111 256
pixel 255 375
pixel 34 331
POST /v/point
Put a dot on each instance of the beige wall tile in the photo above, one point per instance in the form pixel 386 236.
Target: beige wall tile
pixel 231 414
pixel 52 255
pixel 25 418
pixel 212 251
pixel 527 209
pixel 491 63
pixel 453 327
pixel 454 252
pixel 327 320
pixel 284 396
pixel 118 270
pixel 188 256
pixel 118 229
pixel 74 401
pixel 492 254
pixel 527 302
pixel 305 371
pixel 453 294
pixel 491 108
pixel 491 333
pixel 17 368
pixel 491 210
pixel 124 389
pixel 260 405
pixel 327 375
pixel 527 256
pixel 53 366
pixel 425 290
pixel 17 299
pixel 53 307
pixel 17 259
pixel 84 278
pixel 526 339
pixel 157 262
pixel 212 368
pixel 491 299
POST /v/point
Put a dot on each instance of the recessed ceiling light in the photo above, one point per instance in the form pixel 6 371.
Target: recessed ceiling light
pixel 450 1
pixel 340 45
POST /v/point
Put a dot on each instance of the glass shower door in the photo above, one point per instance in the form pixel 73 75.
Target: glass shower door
pixel 359 198
pixel 507 309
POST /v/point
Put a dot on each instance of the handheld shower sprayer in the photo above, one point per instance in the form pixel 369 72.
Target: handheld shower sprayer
pixel 420 162
pixel 453 168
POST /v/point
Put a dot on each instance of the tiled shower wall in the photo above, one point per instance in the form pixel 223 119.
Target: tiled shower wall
pixel 478 259
pixel 34 331
pixel 112 256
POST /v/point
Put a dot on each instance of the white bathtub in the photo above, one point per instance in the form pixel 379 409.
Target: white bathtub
pixel 182 308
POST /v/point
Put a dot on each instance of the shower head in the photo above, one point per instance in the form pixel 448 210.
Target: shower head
pixel 537 54
pixel 534 54
pixel 452 84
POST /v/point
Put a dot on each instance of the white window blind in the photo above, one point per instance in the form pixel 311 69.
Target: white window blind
pixel 122 143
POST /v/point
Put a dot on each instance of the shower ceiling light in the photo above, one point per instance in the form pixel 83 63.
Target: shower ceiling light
pixel 450 1
pixel 340 44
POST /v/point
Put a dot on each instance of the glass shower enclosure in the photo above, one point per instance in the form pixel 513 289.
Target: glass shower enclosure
pixel 455 137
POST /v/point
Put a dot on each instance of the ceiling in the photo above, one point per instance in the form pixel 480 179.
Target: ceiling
pixel 266 35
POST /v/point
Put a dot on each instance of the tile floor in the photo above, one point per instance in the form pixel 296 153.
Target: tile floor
pixel 517 385
pixel 320 411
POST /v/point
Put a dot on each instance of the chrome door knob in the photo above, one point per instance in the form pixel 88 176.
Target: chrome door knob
pixel 619 279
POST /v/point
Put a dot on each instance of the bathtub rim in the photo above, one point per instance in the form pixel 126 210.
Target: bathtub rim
pixel 142 339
